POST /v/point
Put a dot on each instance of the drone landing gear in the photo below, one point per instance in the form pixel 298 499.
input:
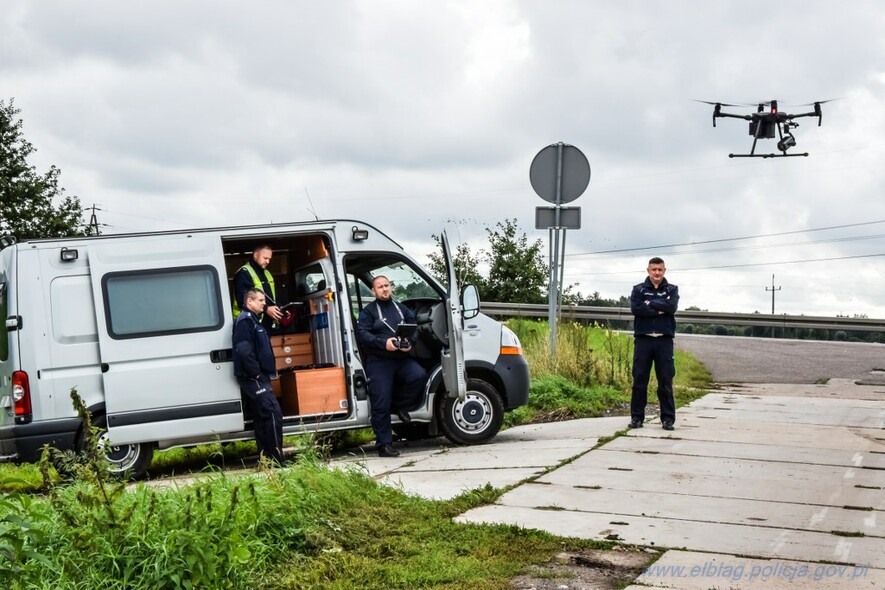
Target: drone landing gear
pixel 768 155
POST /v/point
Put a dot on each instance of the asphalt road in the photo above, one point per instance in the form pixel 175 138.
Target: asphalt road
pixel 734 359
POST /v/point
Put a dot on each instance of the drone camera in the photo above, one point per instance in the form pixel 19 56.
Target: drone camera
pixel 786 143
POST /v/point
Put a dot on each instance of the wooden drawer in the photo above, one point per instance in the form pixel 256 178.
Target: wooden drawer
pixel 314 391
pixel 292 350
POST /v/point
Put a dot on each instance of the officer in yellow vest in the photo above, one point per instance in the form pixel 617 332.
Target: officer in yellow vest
pixel 254 275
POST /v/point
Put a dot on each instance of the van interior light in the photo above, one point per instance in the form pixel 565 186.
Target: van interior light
pixel 358 234
pixel 68 255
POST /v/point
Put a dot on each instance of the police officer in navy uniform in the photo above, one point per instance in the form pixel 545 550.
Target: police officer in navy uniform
pixel 387 365
pixel 654 303
pixel 254 275
pixel 254 366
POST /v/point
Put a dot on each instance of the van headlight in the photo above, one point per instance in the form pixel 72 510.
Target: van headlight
pixel 510 342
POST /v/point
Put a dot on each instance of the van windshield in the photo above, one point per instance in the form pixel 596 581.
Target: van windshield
pixel 408 283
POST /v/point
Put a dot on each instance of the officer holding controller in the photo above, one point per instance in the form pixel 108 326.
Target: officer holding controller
pixel 388 363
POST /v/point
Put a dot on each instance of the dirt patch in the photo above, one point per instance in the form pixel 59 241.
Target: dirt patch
pixel 587 570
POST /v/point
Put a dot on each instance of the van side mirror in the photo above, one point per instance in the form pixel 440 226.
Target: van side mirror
pixel 470 301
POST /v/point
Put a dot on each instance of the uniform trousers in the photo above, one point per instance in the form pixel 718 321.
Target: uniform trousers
pixel 267 417
pixel 648 350
pixel 384 373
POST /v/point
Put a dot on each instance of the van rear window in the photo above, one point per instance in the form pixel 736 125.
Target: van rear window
pixel 162 301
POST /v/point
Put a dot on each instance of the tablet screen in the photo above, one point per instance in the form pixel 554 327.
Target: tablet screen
pixel 406 331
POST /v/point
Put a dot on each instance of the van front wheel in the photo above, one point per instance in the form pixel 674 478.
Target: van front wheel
pixel 129 461
pixel 473 420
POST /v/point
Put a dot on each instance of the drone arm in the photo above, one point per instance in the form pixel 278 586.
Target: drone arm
pixel 815 113
pixel 733 116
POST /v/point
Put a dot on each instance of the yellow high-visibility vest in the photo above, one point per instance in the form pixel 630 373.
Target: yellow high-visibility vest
pixel 258 285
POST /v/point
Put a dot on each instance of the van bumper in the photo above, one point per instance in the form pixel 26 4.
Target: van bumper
pixel 23 443
pixel 513 371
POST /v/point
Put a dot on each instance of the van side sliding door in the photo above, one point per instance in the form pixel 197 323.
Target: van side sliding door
pixel 163 322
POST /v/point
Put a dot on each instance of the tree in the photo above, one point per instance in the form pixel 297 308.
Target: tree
pixel 517 272
pixel 466 265
pixel 28 199
pixel 596 300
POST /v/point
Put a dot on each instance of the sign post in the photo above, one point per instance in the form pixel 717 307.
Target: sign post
pixel 559 174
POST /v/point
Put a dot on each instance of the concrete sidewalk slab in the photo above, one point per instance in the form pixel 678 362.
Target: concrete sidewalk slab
pixel 435 485
pixel 692 427
pixel 845 417
pixel 764 472
pixel 755 541
pixel 766 513
pixel 821 492
pixel 834 388
pixel 758 451
pixel 584 428
pixel 727 399
pixel 691 570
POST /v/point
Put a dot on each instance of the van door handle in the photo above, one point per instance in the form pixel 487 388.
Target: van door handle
pixel 225 355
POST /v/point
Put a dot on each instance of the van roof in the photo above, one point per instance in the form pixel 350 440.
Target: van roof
pixel 271 228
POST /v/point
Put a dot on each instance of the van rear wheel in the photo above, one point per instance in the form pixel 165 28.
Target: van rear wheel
pixel 129 461
pixel 473 420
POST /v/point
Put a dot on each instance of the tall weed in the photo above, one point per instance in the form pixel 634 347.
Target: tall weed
pixel 587 355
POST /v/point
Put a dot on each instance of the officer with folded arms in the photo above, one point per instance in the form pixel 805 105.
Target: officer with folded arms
pixel 654 303
pixel 254 366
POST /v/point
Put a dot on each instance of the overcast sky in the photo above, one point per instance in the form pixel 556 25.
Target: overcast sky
pixel 421 115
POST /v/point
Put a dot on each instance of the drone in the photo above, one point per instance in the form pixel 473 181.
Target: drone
pixel 764 123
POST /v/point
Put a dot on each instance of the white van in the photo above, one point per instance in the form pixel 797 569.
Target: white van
pixel 140 325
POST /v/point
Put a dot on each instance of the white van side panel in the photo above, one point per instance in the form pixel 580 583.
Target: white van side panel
pixel 161 310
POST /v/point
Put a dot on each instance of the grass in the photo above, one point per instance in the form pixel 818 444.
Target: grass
pixel 301 527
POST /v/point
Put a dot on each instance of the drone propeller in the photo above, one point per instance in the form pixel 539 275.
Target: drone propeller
pixel 722 104
pixel 717 107
pixel 811 104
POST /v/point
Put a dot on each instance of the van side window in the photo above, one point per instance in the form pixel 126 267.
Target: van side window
pixel 4 332
pixel 309 280
pixel 161 302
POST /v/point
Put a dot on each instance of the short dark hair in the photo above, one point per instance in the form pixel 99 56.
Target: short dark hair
pixel 261 247
pixel 656 260
pixel 252 294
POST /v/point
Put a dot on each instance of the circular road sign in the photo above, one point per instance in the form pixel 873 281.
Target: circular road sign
pixel 575 173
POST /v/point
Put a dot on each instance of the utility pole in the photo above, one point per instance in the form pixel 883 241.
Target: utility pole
pixel 93 221
pixel 772 289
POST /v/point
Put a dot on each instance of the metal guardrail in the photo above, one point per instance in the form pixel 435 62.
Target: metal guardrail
pixel 591 313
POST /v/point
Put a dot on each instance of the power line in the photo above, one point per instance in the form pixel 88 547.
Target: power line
pixel 720 240
pixel 764 246
pixel 747 265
